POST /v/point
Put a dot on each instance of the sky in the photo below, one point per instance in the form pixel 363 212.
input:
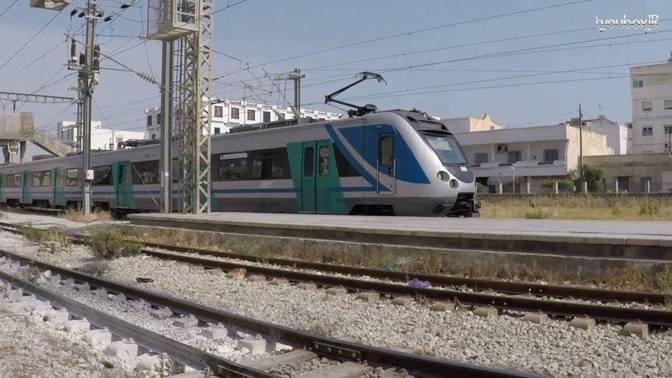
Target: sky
pixel 523 62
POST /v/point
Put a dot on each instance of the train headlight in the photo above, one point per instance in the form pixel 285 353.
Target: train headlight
pixel 443 176
pixel 453 183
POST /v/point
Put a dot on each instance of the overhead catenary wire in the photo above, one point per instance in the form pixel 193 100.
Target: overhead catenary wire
pixel 8 8
pixel 417 31
pixel 28 42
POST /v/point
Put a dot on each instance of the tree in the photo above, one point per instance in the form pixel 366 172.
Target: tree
pixel 593 177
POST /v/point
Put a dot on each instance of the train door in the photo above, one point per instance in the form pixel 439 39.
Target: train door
pixel 123 184
pixel 386 164
pixel 323 167
pixel 58 183
pixel 25 187
pixel 308 181
pixel 2 188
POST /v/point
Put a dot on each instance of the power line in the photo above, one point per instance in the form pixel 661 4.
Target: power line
pixel 532 50
pixel 228 6
pixel 8 8
pixel 423 30
pixel 25 44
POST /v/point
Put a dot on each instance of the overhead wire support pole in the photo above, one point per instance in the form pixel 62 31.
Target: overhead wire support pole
pixel 166 125
pixel 88 79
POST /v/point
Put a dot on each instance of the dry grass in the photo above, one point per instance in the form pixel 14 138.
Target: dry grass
pixel 402 259
pixel 573 207
pixel 111 245
pixel 79 216
pixel 41 236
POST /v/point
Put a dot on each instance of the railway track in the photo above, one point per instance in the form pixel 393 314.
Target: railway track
pixel 509 295
pixel 476 284
pixel 352 355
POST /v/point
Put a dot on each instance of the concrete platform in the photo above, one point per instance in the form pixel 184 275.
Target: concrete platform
pixel 648 240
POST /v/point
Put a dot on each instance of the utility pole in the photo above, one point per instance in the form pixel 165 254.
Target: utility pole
pixel 87 78
pixel 580 149
pixel 166 125
pixel 296 75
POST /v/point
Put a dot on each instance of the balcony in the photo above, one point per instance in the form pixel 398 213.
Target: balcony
pixel 521 168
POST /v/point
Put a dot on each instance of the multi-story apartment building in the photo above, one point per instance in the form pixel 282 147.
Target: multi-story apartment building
pixel 229 113
pixel 651 88
pixel 531 156
pixel 101 139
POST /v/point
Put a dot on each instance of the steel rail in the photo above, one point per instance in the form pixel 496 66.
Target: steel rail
pixel 424 365
pixel 504 302
pixel 178 351
pixel 509 287
pixel 506 287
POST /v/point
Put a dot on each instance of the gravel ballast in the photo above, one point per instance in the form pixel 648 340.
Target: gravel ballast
pixel 30 347
pixel 553 348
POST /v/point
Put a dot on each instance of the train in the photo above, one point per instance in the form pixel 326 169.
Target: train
pixel 396 162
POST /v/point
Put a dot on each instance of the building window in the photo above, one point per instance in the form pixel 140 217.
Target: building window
pixel 647 131
pixel 251 115
pixel 235 113
pixel 514 156
pixel 645 184
pixel 153 136
pixel 219 111
pixel 158 119
pixel 480 158
pixel 149 120
pixel 638 83
pixel 217 130
pixel 647 106
pixel 667 104
pixel 551 155
pixel 668 129
pixel 266 117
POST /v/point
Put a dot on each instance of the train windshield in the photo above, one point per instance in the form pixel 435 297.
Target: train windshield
pixel 446 147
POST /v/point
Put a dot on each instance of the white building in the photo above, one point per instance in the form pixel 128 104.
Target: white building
pixel 229 113
pixel 651 88
pixel 619 136
pixel 101 139
pixel 531 156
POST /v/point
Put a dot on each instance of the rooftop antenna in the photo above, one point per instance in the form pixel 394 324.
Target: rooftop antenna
pixel 358 110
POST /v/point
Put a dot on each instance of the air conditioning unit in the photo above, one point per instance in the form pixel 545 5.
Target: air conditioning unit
pixel 502 148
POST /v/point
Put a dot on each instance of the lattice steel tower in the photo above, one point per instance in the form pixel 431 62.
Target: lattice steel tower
pixel 185 27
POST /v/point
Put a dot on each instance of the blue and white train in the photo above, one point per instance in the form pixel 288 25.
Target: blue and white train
pixel 389 162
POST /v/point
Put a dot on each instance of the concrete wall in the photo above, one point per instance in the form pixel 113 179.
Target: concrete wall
pixel 657 167
pixel 471 124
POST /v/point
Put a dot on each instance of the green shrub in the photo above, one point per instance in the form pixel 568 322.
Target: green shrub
pixel 109 245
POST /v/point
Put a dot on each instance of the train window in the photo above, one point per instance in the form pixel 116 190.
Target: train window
pixel 269 164
pixel 386 149
pixel 35 179
pixel 14 180
pixel 308 161
pixel 102 175
pixel 72 177
pixel 324 161
pixel 146 172
pixel 45 180
pixel 345 169
pixel 232 167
